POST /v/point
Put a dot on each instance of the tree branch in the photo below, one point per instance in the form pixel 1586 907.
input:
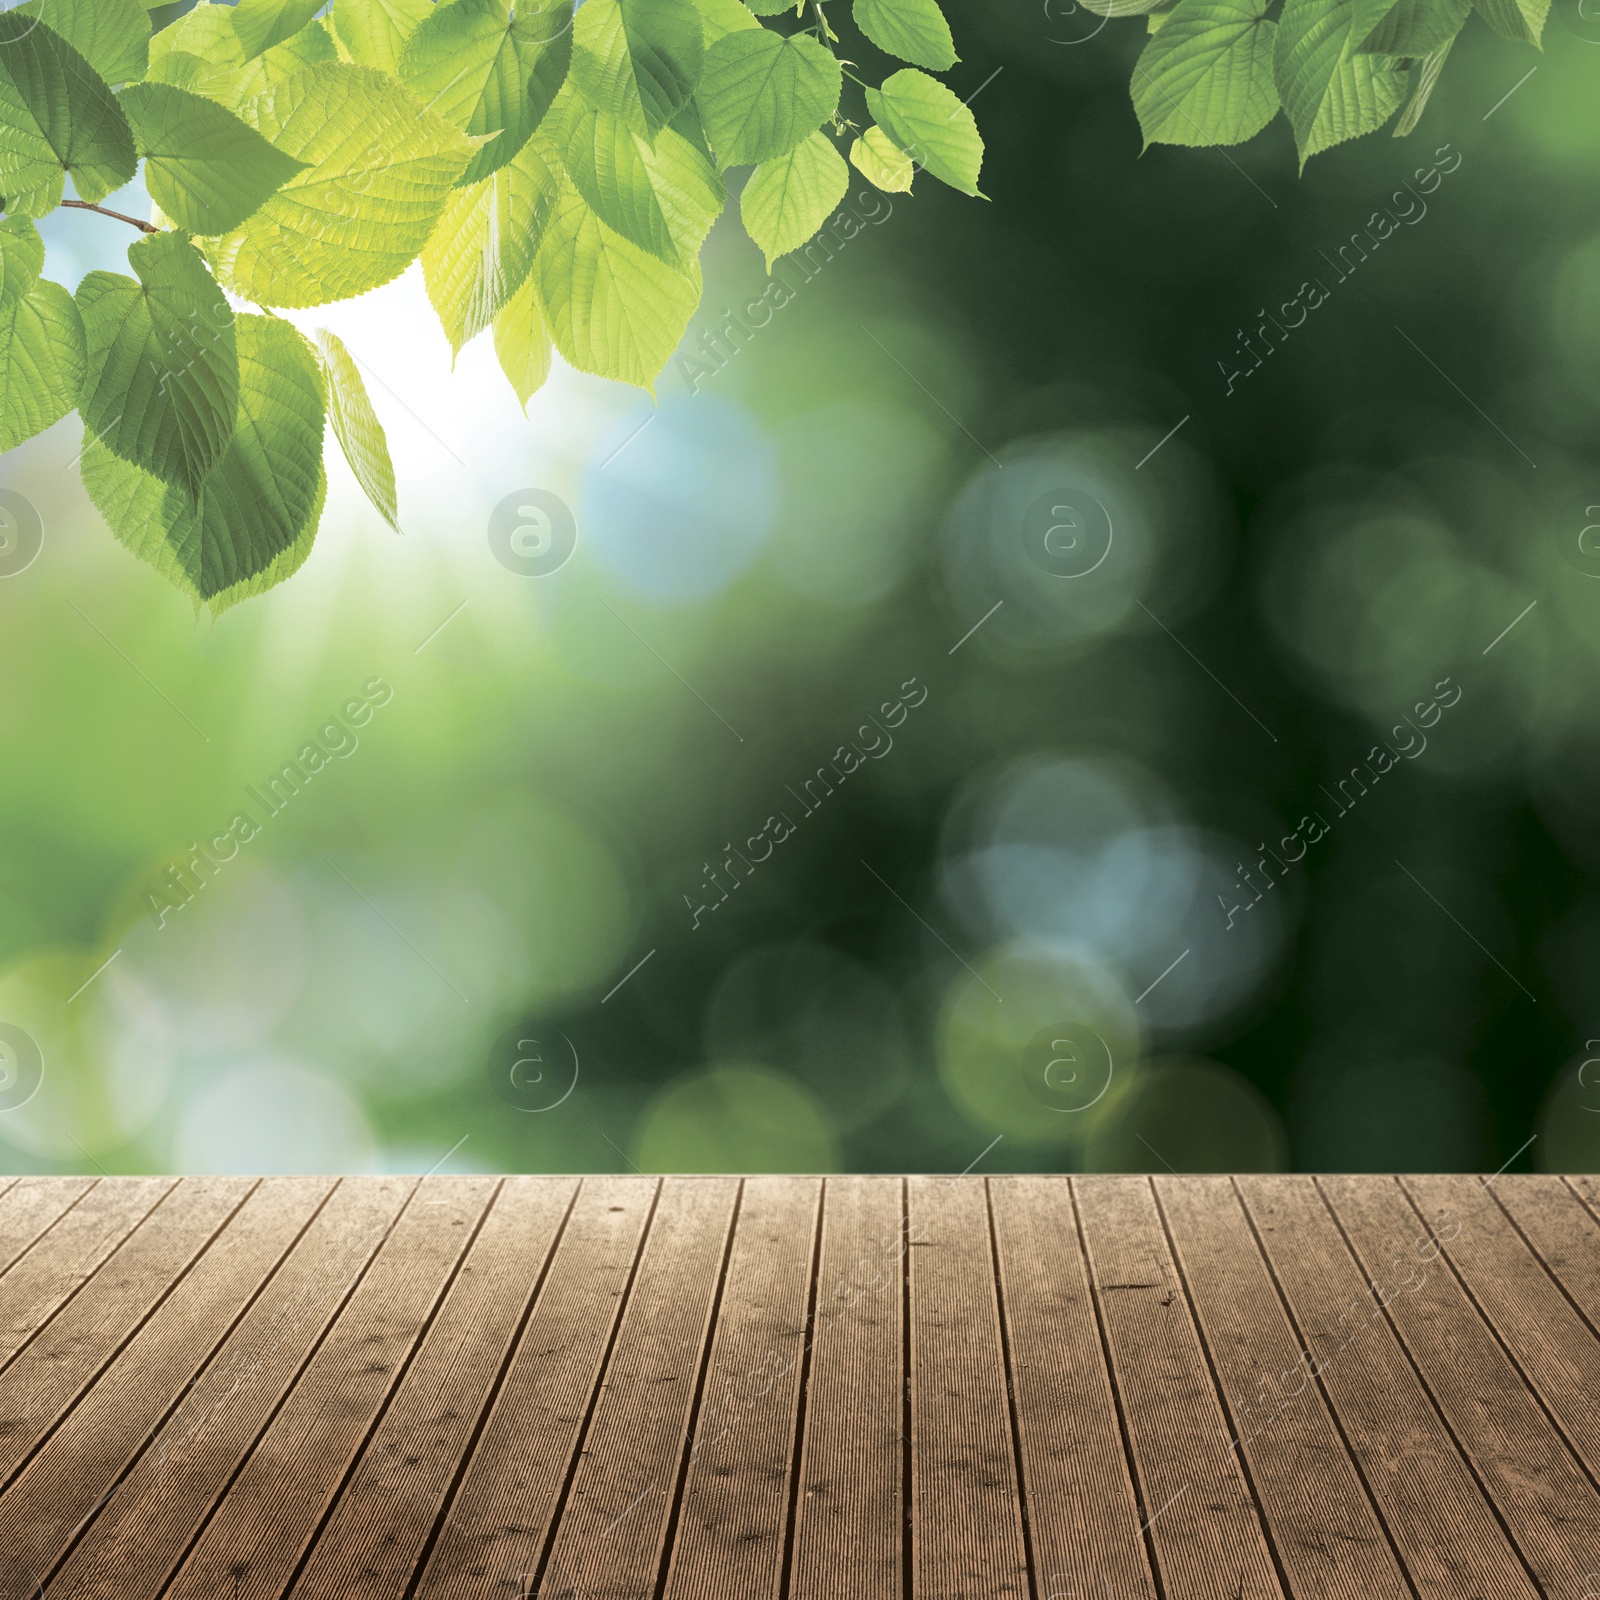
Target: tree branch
pixel 83 205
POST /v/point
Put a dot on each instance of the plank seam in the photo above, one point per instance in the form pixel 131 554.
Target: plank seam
pixel 786 1569
pixel 177 1400
pixel 1538 1256
pixel 399 1378
pixel 1327 1399
pixel 1510 1355
pixel 100 1371
pixel 289 1388
pixel 1147 1538
pixel 1222 1400
pixel 669 1534
pixel 582 1433
pixel 1433 1399
pixel 1009 1374
pixel 447 1503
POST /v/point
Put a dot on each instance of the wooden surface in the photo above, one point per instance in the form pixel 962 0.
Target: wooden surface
pixel 791 1388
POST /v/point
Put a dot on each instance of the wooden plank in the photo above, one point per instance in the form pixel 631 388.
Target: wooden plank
pixel 45 1280
pixel 498 1521
pixel 30 1206
pixel 50 1373
pixel 69 1477
pixel 387 1511
pixel 1552 1345
pixel 850 1518
pixel 1200 1516
pixel 1549 1506
pixel 734 1518
pixel 1082 1506
pixel 252 1545
pixel 138 1537
pixel 618 1517
pixel 1449 1536
pixel 966 1510
pixel 1561 1227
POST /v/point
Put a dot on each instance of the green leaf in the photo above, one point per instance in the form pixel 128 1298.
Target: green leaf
pixel 882 162
pixel 1416 28
pixel 931 125
pixel 113 36
pixel 205 168
pixel 719 17
pixel 762 94
pixel 788 198
pixel 200 52
pixel 41 361
pixel 356 426
pixel 380 168
pixel 522 341
pixel 21 258
pixel 260 24
pixel 282 567
pixel 489 73
pixel 639 60
pixel 615 310
pixel 311 47
pixel 1206 77
pixel 1329 93
pixel 257 501
pixel 914 30
pixel 486 240
pixel 1424 75
pixel 374 32
pixel 1521 21
pixel 162 381
pixel 664 195
pixel 56 116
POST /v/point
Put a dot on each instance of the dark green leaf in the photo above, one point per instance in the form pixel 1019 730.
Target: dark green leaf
pixel 1416 28
pixel 162 383
pixel 639 60
pixel 113 36
pixel 260 24
pixel 1206 77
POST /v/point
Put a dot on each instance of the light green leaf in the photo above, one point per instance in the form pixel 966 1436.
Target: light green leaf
pixel 374 32
pixel 41 361
pixel 484 246
pixel 199 52
pixel 489 73
pixel 1329 93
pixel 380 169
pixel 664 195
pixel 1206 78
pixel 311 47
pixel 522 340
pixel 931 125
pixel 639 60
pixel 761 94
pixel 260 24
pixel 1519 20
pixel 788 198
pixel 1125 8
pixel 914 30
pixel 56 116
pixel 162 383
pixel 113 36
pixel 1424 75
pixel 718 17
pixel 257 500
pixel 615 310
pixel 205 168
pixel 356 426
pixel 21 258
pixel 882 162
pixel 1416 28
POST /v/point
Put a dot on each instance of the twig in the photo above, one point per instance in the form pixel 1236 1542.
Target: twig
pixel 83 205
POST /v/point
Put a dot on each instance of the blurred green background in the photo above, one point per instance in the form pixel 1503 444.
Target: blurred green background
pixel 1014 936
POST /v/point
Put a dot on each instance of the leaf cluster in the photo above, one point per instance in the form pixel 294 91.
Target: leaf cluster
pixel 555 168
pixel 1216 72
